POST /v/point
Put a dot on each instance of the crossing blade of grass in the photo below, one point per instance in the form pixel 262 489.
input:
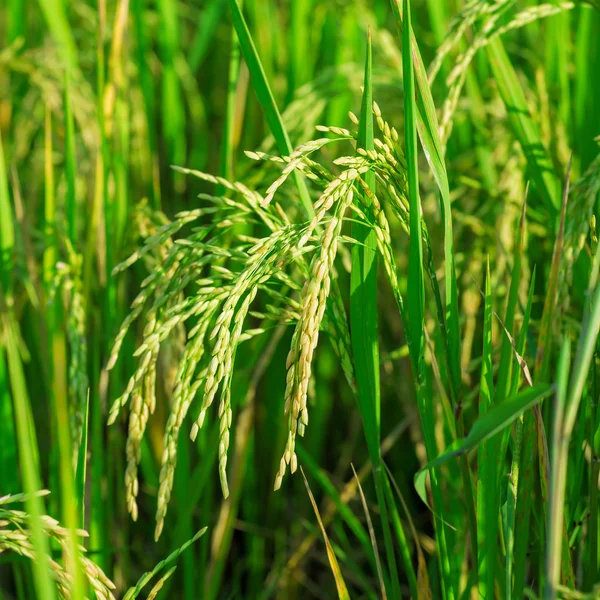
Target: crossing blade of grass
pixel 95 249
pixel 120 119
pixel 524 127
pixel 487 492
pixel 494 421
pixel 363 323
pixel 265 97
pixel 91 249
pixel 342 590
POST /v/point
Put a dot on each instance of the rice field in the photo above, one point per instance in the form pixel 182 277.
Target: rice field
pixel 299 299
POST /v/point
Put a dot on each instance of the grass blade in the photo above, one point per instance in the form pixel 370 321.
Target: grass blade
pixel 560 445
pixel 145 579
pixel 506 352
pixel 299 68
pixel 508 348
pixel 8 445
pixel 583 358
pixel 329 489
pixel 526 131
pixel 333 562
pixel 429 134
pixel 371 534
pixel 405 551
pixel 29 464
pixel 485 427
pixel 7 234
pixel 81 470
pixel 363 322
pixel 265 97
pixel 227 149
pixel 416 299
pixel 57 352
pixel 513 483
pixel 200 45
pixel 70 164
pixel 173 109
pixel 422 586
pixel 420 114
pixel 56 17
pixel 543 351
pixel 147 85
pixel 428 129
pixel 487 493
pixel 533 424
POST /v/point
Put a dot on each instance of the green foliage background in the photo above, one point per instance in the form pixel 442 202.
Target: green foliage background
pixel 99 99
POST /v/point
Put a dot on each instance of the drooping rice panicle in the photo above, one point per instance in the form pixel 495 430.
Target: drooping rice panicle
pixel 15 536
pixel 306 335
pixel 224 296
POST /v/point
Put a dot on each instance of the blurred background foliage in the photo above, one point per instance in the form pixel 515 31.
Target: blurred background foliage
pixel 97 100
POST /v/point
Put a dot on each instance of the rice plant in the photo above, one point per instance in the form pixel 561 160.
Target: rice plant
pixel 244 239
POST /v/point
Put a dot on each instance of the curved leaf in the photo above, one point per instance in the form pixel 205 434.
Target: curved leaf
pixel 485 427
